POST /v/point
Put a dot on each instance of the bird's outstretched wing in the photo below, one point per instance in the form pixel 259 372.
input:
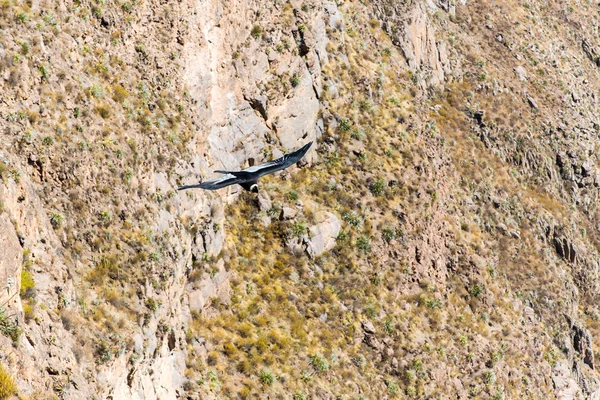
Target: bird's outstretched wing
pixel 273 166
pixel 216 184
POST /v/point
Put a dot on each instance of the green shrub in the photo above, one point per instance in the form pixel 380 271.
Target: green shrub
pixel 377 187
pixel 298 229
pixel 9 327
pixel 363 243
pixel 319 363
pixel 353 219
pixel 56 220
pixel 388 234
pixel 266 378
pixel 292 195
pixel 256 32
pixel 344 125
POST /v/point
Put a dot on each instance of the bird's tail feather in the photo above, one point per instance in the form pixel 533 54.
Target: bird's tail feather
pixel 199 185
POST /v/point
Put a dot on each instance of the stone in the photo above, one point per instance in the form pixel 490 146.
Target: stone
pixel 11 259
pixel 323 235
pixel 521 73
pixel 502 228
pixel 532 103
pixel 264 200
pixel 287 213
pixel 368 327
pixel 582 343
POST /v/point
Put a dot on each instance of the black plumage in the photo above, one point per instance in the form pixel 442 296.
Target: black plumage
pixel 247 178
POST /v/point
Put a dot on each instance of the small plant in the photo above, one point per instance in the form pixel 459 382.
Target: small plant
pixel 342 237
pixel 388 234
pixel 489 377
pixel 266 378
pixel 344 125
pixel 97 91
pixel 9 327
pixel 388 326
pixel 256 32
pixel 44 71
pixel 476 290
pixel 292 195
pixel 319 363
pixel 299 395
pixel 298 229
pixel 151 304
pixel 295 80
pixel 353 219
pixel 363 243
pixel 27 284
pixel 56 220
pixel 47 141
pixel 392 387
pixel 22 17
pixel 7 384
pixel 16 175
pixel 105 216
pixel 377 187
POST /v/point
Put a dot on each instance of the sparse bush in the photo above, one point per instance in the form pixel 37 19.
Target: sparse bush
pixel 27 284
pixel 388 234
pixel 363 243
pixel 319 363
pixel 292 195
pixel 377 187
pixel 353 219
pixel 295 80
pixel 96 91
pixel 266 378
pixel 299 395
pixel 392 387
pixel 7 384
pixel 342 237
pixel 344 125
pixel 9 327
pixel 56 220
pixel 151 304
pixel 298 229
pixel 256 32
pixel 476 290
pixel 22 18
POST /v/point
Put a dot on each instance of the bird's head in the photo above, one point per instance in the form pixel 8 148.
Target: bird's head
pixel 254 188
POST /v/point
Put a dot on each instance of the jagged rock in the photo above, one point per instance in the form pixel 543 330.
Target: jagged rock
pixel 521 73
pixel 368 327
pixel 532 102
pixel 502 228
pixel 287 213
pixel 565 248
pixel 410 29
pixel 582 343
pixel 11 259
pixel 209 288
pixel 323 235
pixel 591 52
pixel 264 201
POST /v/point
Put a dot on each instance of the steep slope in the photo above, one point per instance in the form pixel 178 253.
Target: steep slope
pixel 439 241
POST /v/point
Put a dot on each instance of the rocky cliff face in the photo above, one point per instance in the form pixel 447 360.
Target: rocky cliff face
pixel 440 237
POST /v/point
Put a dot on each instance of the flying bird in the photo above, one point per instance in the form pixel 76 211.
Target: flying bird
pixel 247 178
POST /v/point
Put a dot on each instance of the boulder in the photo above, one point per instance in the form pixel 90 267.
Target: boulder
pixel 323 236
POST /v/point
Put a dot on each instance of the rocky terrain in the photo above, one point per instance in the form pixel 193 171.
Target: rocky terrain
pixel 440 240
